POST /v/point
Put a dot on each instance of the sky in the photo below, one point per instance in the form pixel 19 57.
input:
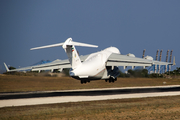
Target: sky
pixel 129 25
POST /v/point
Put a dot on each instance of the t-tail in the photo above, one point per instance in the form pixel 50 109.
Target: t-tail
pixel 73 56
pixel 69 47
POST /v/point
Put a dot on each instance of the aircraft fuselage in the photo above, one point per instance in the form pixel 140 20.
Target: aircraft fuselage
pixel 94 67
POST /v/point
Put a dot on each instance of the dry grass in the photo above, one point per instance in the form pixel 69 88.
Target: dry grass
pixel 158 108
pixel 10 83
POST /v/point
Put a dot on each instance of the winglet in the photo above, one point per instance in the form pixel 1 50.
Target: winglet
pixel 7 69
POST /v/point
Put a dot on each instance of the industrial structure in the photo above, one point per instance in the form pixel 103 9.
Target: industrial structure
pixel 160 68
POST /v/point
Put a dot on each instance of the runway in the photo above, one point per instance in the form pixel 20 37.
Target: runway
pixel 64 96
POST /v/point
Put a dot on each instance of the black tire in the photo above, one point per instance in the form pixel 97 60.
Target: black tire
pixel 81 82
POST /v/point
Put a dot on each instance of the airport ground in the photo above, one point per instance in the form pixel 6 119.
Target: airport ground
pixel 13 83
pixel 156 108
pixel 131 109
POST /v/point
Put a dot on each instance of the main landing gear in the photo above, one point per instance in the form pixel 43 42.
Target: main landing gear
pixel 85 81
pixel 111 80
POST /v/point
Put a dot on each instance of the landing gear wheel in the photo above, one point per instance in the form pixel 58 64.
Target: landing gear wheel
pixel 109 81
pixel 112 79
pixel 81 82
pixel 84 81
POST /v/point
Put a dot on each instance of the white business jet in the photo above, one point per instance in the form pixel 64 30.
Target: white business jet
pixel 95 66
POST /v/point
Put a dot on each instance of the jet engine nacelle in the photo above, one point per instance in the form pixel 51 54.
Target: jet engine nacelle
pixel 148 58
pixel 131 55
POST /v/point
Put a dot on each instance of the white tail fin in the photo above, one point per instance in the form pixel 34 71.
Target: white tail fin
pixel 73 56
pixel 69 47
pixel 7 69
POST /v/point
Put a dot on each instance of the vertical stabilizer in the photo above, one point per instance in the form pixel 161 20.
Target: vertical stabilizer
pixel 7 69
pixel 69 47
pixel 73 56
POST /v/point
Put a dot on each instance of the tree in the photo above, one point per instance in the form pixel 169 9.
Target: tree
pixel 145 73
pixel 11 68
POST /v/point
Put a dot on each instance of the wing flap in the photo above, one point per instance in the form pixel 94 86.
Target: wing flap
pixel 123 60
pixel 119 63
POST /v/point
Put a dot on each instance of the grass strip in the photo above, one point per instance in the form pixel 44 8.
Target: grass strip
pixel 10 83
pixel 157 108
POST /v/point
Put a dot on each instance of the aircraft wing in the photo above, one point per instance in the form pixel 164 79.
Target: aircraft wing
pixel 124 60
pixel 60 64
pixel 57 64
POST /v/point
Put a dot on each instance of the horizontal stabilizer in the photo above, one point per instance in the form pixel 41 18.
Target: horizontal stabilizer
pixel 47 46
pixel 82 44
pixel 68 42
